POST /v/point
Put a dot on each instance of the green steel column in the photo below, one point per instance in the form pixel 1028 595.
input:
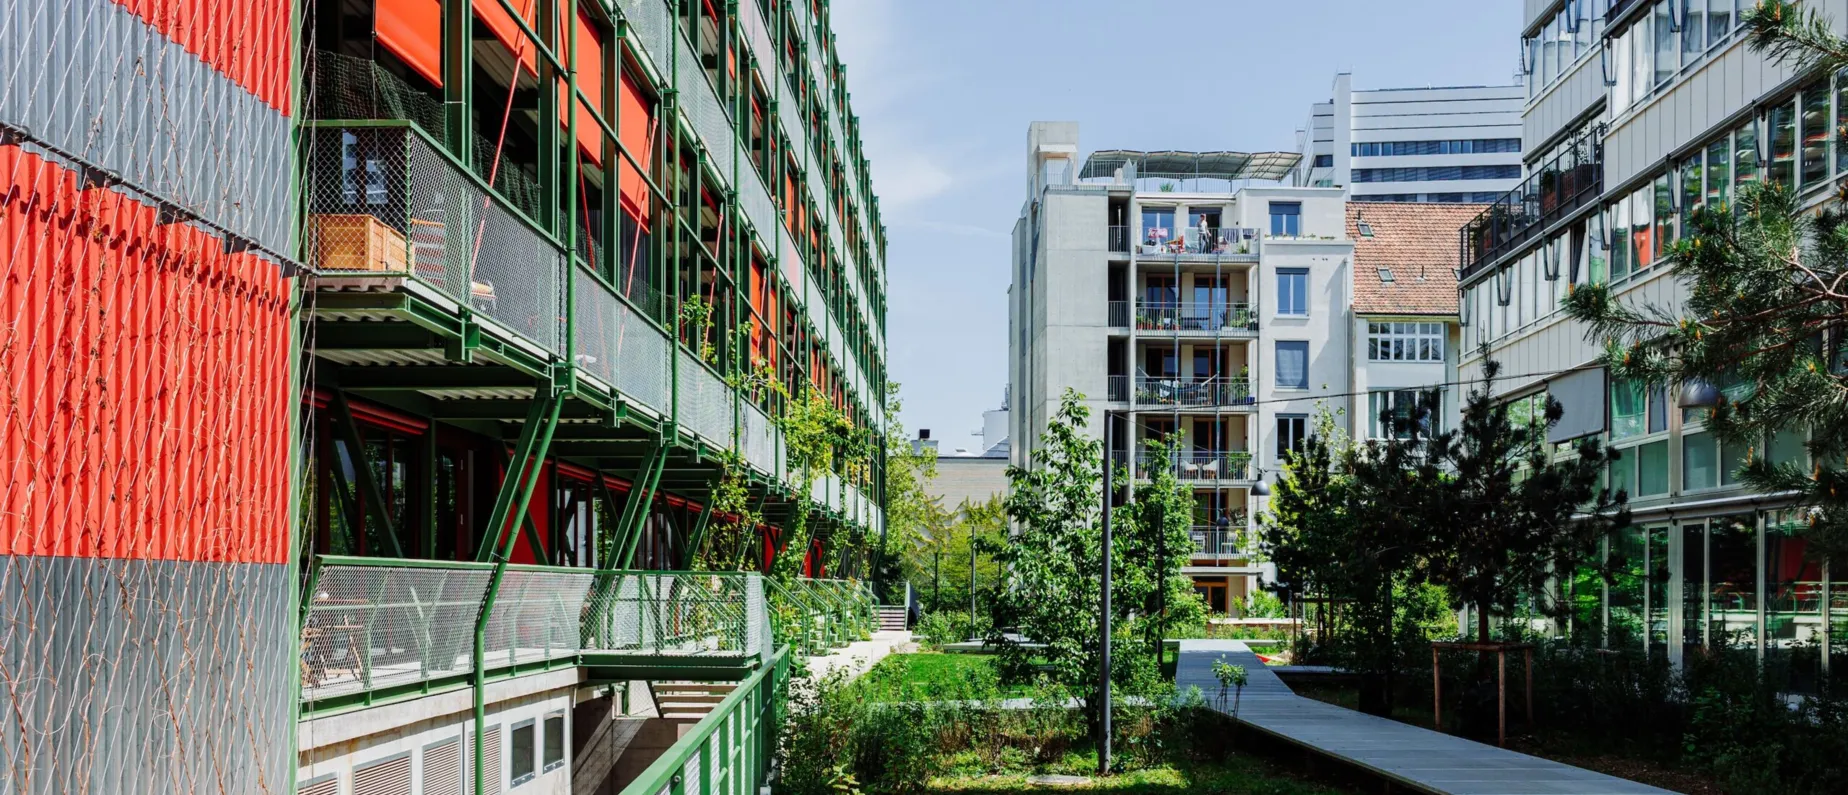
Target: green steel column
pixel 635 503
pixel 546 408
pixel 522 452
pixel 426 497
pixel 458 38
pixel 642 502
pixel 697 538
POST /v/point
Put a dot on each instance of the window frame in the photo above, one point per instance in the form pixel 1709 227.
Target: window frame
pixel 1294 225
pixel 547 736
pixel 1425 341
pixel 1292 432
pixel 1300 294
pixel 514 778
pixel 1303 386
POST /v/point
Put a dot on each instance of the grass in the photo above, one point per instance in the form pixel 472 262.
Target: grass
pixel 1235 774
pixel 933 676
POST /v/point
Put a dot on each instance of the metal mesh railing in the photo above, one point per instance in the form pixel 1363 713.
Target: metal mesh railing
pixel 619 346
pixel 756 439
pixel 369 627
pixel 729 752
pixel 652 23
pixel 704 402
pixel 702 107
pixel 816 615
pixel 384 199
pixel 372 623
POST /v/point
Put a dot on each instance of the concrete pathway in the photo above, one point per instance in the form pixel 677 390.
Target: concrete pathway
pixel 859 656
pixel 1420 759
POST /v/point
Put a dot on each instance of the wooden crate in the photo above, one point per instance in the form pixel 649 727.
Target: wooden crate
pixel 357 243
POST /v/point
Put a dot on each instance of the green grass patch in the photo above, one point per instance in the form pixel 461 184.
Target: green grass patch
pixel 931 676
pixel 1235 774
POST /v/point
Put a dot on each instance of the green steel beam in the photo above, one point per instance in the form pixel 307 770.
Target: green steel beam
pixel 418 377
pixel 530 454
pixel 635 509
pixel 697 538
pixel 543 404
pixel 362 471
pixel 508 410
pixel 336 335
pixel 353 523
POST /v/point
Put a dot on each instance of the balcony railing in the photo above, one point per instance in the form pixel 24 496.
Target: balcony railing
pixel 1231 240
pixel 385 201
pixel 1555 190
pixel 1118 389
pixel 1201 317
pixel 1216 542
pixel 370 624
pixel 1193 465
pixel 1119 239
pixel 1192 392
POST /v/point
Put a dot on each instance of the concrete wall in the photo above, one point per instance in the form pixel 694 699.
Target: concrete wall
pixel 1352 116
pixel 340 745
pixel 1371 376
pixel 973 480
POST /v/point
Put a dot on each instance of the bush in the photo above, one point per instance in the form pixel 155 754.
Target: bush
pixel 942 627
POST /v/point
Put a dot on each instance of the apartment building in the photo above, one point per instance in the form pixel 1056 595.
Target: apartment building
pixel 375 369
pixel 1452 144
pixel 1184 294
pixel 1638 112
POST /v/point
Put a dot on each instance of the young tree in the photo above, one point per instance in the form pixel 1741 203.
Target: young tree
pixel 1053 582
pixel 1511 512
pixel 1765 312
pixel 1153 540
pixel 910 510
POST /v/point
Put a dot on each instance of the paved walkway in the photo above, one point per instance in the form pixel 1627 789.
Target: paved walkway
pixel 1418 758
pixel 859 656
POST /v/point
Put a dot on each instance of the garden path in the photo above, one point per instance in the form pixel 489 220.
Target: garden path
pixel 1420 759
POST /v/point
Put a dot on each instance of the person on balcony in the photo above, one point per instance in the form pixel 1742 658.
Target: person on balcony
pixel 1206 236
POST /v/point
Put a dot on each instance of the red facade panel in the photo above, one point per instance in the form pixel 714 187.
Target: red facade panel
pixel 247 41
pixel 146 413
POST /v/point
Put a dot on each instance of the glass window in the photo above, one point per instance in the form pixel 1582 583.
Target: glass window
pixel 1664 214
pixel 523 757
pixel 1691 194
pixel 1405 342
pixel 1623 473
pixel 1841 115
pixel 1658 409
pixel 1745 152
pixel 1719 20
pixel 1597 252
pixel 1642 232
pixel 1292 291
pixel 1700 459
pixel 1719 171
pixel 1292 429
pixel 1620 239
pixel 1787 448
pixel 1157 225
pixel 1732 459
pixel 1665 56
pixel 1652 469
pixel 554 741
pixel 1286 218
pixel 1793 603
pixel 1693 30
pixel 1292 364
pixel 1388 410
pixel 1629 404
pixel 1815 123
pixel 1656 592
pixel 1693 587
pixel 1783 122
pixel 1642 60
pixel 1732 549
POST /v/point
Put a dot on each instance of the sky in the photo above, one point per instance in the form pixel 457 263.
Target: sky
pixel 945 90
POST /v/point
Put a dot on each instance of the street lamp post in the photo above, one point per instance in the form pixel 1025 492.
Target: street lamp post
pixel 1103 757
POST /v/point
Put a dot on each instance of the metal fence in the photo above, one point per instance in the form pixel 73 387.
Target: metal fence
pixel 1202 392
pixel 371 623
pixel 816 615
pixel 1187 316
pixel 618 345
pixel 384 200
pixel 729 751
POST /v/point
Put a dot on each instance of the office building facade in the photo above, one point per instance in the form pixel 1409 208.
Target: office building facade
pixel 1454 145
pixel 1639 112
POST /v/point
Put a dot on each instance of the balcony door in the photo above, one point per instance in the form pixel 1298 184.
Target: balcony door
pixel 1211 297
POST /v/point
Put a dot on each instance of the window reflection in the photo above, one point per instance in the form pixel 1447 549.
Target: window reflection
pixel 1793 605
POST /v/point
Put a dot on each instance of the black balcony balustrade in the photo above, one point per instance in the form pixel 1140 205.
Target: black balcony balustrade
pixel 1204 316
pixel 1572 180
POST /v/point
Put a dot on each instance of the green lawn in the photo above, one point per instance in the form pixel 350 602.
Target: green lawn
pixel 931 676
pixel 1237 774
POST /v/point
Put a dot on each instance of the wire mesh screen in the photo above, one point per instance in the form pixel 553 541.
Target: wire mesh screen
pixel 756 438
pixel 384 200
pixel 704 402
pixel 346 87
pixel 671 614
pixel 618 346
pixel 369 627
pixel 756 203
pixel 702 106
pixel 537 615
pixel 653 24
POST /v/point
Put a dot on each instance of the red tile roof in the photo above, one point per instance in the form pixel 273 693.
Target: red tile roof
pixel 1417 243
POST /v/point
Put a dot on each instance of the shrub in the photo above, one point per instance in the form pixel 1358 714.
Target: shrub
pixel 942 627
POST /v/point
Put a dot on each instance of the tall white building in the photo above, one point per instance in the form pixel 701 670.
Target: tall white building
pixel 1458 144
pixel 1184 293
pixel 1639 111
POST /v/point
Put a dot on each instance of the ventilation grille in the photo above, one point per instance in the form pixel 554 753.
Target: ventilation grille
pixel 442 769
pixel 390 777
pixel 326 786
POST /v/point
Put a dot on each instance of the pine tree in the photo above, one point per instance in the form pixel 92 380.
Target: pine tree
pixel 1765 314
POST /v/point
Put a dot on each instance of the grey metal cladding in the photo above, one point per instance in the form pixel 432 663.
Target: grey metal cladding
pixel 138 676
pixel 93 79
pixel 1581 394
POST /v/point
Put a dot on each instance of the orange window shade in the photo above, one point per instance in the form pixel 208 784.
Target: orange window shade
pixel 508 31
pixel 589 64
pixel 637 126
pixel 413 31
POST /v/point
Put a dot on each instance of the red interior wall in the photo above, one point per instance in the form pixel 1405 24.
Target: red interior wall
pixel 146 411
